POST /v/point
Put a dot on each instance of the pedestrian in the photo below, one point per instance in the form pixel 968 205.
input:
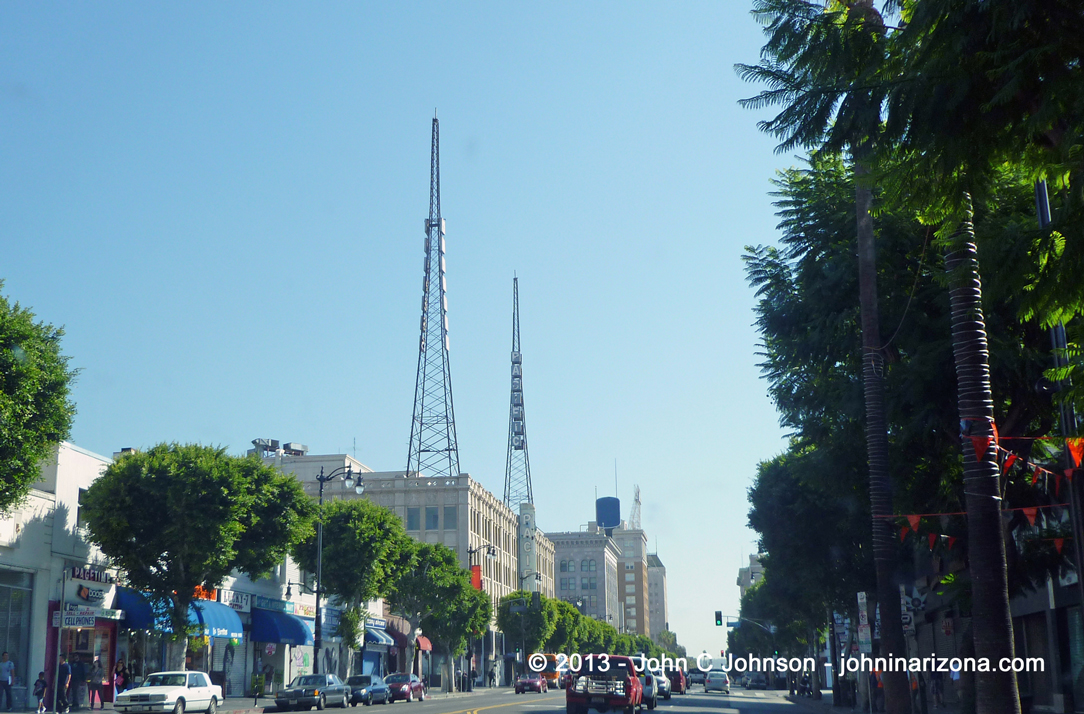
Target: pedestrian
pixel 493 676
pixel 94 686
pixel 39 691
pixel 120 678
pixel 7 678
pixel 937 687
pixel 64 677
pixel 79 678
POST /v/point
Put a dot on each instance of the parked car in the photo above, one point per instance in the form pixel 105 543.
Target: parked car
pixel 757 680
pixel 406 687
pixel 662 684
pixel 531 682
pixel 367 688
pixel 171 692
pixel 313 690
pixel 679 682
pixel 696 677
pixel 604 685
pixel 717 681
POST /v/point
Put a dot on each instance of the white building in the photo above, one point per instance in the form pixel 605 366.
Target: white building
pixel 657 605
pixel 586 565
pixel 747 577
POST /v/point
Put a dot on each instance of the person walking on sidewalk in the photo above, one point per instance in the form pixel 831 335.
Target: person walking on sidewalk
pixel 94 686
pixel 64 678
pixel 39 691
pixel 7 678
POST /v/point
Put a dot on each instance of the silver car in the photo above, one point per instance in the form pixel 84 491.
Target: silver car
pixel 717 680
pixel 662 684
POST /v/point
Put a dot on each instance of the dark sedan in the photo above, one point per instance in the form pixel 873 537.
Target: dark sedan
pixel 313 690
pixel 366 689
pixel 406 687
pixel 531 682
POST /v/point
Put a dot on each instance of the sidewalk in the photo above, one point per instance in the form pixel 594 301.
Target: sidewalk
pixel 824 705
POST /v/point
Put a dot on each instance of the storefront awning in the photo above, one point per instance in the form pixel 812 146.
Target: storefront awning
pixel 424 644
pixel 215 619
pixel 400 639
pixel 138 614
pixel 279 627
pixel 378 637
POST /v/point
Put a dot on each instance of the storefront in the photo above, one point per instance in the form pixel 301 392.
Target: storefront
pixel 281 641
pixel 16 593
pixel 230 664
pixel 373 657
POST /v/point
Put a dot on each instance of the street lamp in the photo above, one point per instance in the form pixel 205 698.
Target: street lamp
pixel 531 574
pixel 346 473
pixel 491 554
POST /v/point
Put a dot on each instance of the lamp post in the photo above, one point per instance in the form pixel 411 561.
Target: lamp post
pixel 346 473
pixel 491 554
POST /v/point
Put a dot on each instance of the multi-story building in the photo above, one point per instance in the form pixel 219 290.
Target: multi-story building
pixel 657 606
pixel 633 570
pixel 456 512
pixel 747 577
pixel 586 565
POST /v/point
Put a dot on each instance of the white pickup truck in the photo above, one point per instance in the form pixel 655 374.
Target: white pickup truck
pixel 171 692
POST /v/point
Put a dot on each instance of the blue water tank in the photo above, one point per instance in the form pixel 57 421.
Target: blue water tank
pixel 608 512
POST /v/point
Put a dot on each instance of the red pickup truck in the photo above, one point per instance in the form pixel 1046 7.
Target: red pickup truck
pixel 604 682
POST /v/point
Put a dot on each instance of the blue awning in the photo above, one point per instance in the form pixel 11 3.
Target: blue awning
pixel 279 627
pixel 378 637
pixel 215 619
pixel 138 614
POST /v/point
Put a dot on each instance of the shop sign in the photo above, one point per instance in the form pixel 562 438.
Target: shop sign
pixel 89 593
pixel 107 614
pixel 77 616
pixel 92 574
pixel 378 623
pixel 865 642
pixel 202 593
pixel 270 649
pixel 241 602
pixel 267 603
pixel 303 610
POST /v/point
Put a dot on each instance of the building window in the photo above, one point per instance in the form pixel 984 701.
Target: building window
pixel 583 584
pixel 628 566
pixel 78 518
pixel 432 522
pixel 630 599
pixel 592 564
pixel 572 566
pixel 593 600
pixel 584 566
pixel 630 588
pixel 451 518
pixel 413 519
pixel 564 566
pixel 631 612
pixel 630 577
pixel 564 583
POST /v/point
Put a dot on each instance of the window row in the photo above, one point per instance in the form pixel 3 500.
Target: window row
pixel 585 584
pixel 432 518
pixel 586 566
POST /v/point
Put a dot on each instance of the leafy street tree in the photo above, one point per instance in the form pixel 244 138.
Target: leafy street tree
pixel 463 614
pixel 35 408
pixel 181 516
pixel 566 628
pixel 821 62
pixel 366 550
pixel 530 629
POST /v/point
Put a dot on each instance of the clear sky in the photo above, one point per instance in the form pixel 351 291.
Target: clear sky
pixel 223 205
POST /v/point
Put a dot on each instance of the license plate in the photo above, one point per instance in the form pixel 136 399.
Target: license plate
pixel 598 700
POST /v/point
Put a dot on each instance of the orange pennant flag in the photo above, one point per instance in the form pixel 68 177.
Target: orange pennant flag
pixel 903 533
pixel 1031 513
pixel 1058 543
pixel 1009 461
pixel 913 520
pixel 951 542
pixel 1035 475
pixel 933 539
pixel 1076 448
pixel 1069 475
pixel 981 444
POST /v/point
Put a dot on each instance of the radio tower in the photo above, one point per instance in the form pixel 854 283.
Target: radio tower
pixel 634 519
pixel 517 471
pixel 433 450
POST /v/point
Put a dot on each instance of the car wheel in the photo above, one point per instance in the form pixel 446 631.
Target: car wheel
pixel 421 697
pixel 321 703
pixel 178 708
pixel 212 708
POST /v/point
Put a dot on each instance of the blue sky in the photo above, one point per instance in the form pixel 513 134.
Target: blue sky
pixel 223 205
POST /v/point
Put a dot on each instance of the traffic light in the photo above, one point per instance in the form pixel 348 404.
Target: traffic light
pixel 536 601
pixel 718 618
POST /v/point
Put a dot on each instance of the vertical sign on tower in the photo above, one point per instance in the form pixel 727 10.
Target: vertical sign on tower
pixel 528 551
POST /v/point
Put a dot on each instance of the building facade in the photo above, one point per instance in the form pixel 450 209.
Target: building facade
pixel 633 570
pixel 657 606
pixel 586 571
pixel 751 575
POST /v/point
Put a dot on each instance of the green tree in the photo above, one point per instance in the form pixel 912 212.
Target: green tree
pixel 35 407
pixel 181 516
pixel 531 628
pixel 566 629
pixel 366 550
pixel 464 614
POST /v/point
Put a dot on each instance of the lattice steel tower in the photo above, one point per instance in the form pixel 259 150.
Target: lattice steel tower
pixel 517 471
pixel 433 449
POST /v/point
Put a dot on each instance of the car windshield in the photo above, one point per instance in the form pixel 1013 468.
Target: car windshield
pixel 359 680
pixel 164 680
pixel 397 678
pixel 309 681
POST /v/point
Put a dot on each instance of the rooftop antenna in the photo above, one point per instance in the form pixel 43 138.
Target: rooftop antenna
pixel 517 470
pixel 634 518
pixel 355 447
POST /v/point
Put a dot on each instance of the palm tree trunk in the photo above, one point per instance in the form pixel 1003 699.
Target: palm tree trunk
pixel 996 692
pixel 897 694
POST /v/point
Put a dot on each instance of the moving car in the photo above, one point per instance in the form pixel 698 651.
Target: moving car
pixel 604 683
pixel 367 688
pixel 531 682
pixel 696 677
pixel 313 690
pixel 651 693
pixel 757 680
pixel 171 692
pixel 717 681
pixel 679 682
pixel 662 684
pixel 405 686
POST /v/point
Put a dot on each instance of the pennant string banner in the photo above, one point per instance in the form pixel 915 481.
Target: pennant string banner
pixel 964 513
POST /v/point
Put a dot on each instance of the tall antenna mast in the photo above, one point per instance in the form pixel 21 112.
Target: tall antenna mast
pixel 433 448
pixel 517 470
pixel 634 517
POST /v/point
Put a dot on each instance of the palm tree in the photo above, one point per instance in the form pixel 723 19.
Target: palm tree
pixel 823 65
